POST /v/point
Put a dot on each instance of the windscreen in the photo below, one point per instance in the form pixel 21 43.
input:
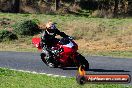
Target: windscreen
pixel 64 41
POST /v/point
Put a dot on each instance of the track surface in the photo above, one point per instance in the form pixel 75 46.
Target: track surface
pixel 32 62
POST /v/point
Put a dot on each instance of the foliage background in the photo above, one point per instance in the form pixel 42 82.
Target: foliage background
pixel 100 8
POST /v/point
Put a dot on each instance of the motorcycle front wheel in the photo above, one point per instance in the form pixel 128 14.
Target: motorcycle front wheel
pixel 81 61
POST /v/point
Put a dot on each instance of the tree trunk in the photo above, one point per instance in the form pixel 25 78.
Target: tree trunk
pixel 125 6
pixel 116 7
pixel 57 2
pixel 15 6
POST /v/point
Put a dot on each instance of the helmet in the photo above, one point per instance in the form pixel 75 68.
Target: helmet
pixel 50 25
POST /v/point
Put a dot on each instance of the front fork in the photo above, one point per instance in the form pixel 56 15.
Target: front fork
pixel 75 59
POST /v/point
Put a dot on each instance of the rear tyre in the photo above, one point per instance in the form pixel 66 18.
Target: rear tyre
pixel 43 58
pixel 51 64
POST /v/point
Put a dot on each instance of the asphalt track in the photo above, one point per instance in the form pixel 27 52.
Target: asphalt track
pixel 31 62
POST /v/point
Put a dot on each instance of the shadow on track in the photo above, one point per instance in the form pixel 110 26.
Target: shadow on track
pixel 70 68
pixel 104 70
pixel 96 70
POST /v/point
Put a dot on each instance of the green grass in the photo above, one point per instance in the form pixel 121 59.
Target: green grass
pixel 105 37
pixel 99 31
pixel 15 79
pixel 126 54
pixel 118 54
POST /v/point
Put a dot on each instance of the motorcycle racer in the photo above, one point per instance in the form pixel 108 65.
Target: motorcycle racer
pixel 60 52
pixel 48 39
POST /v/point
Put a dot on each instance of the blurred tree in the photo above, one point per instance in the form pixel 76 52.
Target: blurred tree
pixel 57 4
pixel 114 6
pixel 15 6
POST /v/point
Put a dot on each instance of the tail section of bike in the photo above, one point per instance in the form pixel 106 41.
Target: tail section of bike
pixel 36 43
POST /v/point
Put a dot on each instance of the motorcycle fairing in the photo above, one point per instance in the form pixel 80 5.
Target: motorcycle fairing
pixel 70 45
pixel 36 42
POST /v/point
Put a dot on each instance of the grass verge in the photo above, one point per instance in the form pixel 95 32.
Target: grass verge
pixel 25 45
pixel 94 36
pixel 15 79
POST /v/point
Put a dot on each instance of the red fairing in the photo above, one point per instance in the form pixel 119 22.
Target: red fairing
pixel 67 49
pixel 76 46
pixel 68 54
pixel 36 42
pixel 65 55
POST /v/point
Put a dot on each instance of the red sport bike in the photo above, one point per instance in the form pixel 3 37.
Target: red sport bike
pixel 64 54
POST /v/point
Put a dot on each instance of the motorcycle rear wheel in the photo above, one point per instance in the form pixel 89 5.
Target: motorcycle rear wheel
pixel 50 64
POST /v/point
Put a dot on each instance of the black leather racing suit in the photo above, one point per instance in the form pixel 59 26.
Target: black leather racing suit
pixel 47 41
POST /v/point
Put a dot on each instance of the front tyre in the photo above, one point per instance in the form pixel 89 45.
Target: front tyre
pixel 85 66
pixel 82 62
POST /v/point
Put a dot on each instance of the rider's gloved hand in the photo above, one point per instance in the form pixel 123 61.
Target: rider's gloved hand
pixel 70 37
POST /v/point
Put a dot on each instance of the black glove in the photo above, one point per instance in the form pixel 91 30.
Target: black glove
pixel 71 38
